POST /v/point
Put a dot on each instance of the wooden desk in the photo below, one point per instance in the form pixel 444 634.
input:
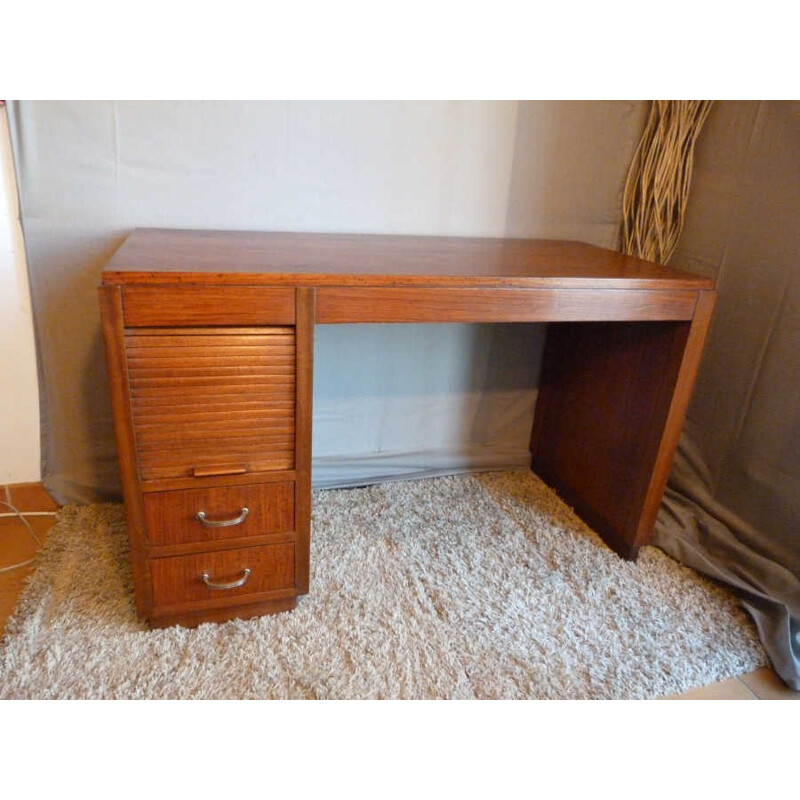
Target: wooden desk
pixel 209 340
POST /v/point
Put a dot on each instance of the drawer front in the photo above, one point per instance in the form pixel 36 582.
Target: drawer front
pixel 172 517
pixel 180 580
pixel 211 401
pixel 147 306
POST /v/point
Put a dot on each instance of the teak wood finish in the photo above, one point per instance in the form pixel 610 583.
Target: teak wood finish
pixel 209 341
pixel 218 402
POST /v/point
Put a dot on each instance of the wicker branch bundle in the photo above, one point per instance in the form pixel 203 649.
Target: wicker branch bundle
pixel 657 188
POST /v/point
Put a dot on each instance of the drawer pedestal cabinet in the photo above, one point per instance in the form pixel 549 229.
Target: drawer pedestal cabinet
pixel 209 342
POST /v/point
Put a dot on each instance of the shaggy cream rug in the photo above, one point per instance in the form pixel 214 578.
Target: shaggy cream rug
pixel 475 586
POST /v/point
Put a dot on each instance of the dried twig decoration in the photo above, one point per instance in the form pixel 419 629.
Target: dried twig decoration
pixel 657 189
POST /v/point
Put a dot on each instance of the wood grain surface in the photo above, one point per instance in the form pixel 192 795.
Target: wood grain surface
pixel 304 332
pixel 210 337
pixel 149 306
pixel 155 256
pixel 480 304
pixel 177 580
pixel 213 400
pixel 111 315
pixel 612 399
pixel 172 516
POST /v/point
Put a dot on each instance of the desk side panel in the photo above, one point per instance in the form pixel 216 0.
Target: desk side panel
pixel 612 401
pixel 119 386
pixel 304 400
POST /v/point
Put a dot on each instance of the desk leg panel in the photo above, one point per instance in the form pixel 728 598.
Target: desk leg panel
pixel 305 304
pixel 120 389
pixel 612 400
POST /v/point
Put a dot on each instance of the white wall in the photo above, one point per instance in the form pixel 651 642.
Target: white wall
pixel 19 395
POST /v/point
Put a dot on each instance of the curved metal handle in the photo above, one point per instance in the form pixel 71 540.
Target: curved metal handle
pixel 222 523
pixel 205 577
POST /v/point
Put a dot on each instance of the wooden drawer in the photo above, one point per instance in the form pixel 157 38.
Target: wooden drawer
pixel 212 400
pixel 178 581
pixel 172 519
pixel 146 306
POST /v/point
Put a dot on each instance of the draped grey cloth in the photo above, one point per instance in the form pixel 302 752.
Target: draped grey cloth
pixel 732 509
pixel 402 401
pixel 389 401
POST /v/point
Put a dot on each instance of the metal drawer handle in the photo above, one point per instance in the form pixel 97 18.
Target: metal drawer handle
pixel 205 577
pixel 222 523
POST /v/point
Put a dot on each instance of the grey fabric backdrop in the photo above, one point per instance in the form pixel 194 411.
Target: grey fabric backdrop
pixel 389 400
pixel 733 506
pixel 417 400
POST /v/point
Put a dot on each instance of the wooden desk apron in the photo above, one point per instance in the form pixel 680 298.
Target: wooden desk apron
pixel 209 341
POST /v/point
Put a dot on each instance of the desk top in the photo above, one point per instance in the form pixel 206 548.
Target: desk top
pixel 156 256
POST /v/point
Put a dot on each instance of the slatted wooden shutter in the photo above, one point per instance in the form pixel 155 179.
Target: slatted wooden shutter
pixel 212 400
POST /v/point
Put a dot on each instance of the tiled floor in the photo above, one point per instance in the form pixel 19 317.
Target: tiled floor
pixel 17 545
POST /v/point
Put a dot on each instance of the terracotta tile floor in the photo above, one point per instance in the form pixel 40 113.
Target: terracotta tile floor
pixel 17 545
